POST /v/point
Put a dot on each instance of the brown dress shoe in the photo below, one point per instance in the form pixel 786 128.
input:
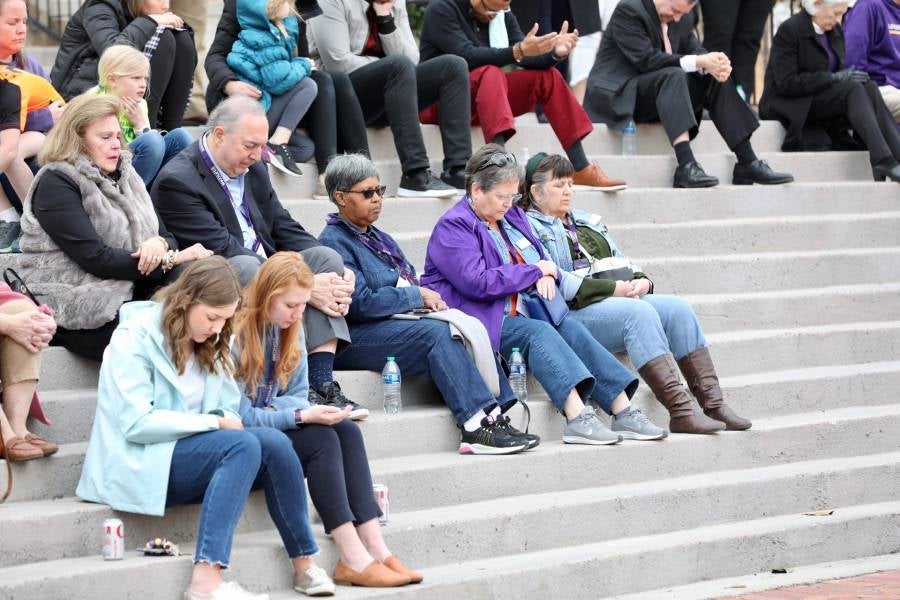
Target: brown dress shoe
pixel 48 448
pixel 18 450
pixel 375 575
pixel 394 564
pixel 593 176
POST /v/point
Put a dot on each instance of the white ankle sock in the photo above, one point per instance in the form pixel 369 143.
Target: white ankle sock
pixel 10 215
pixel 474 422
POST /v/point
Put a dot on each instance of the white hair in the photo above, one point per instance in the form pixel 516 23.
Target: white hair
pixel 810 5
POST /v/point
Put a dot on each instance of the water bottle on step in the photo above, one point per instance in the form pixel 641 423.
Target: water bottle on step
pixel 390 378
pixel 629 139
pixel 517 375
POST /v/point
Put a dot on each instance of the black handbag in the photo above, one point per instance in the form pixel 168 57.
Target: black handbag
pixel 17 284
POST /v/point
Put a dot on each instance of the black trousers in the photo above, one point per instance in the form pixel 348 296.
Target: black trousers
pixel 735 27
pixel 676 99
pixel 864 108
pixel 335 120
pixel 337 469
pixel 382 88
pixel 171 76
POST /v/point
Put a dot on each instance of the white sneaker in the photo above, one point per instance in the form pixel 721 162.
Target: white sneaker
pixel 314 582
pixel 227 590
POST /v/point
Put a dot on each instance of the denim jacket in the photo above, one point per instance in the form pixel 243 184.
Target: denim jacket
pixel 376 295
pixel 550 231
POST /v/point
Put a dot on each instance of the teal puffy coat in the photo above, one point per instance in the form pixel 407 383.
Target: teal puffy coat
pixel 263 56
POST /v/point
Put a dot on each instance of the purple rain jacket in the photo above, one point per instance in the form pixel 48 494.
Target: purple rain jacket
pixel 463 265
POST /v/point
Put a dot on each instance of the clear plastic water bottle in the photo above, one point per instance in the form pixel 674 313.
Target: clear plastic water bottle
pixel 629 139
pixel 517 375
pixel 390 378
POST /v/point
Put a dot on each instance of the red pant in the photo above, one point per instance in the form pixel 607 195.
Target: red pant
pixel 498 98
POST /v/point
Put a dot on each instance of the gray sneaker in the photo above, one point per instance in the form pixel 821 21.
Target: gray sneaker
pixel 314 582
pixel 634 425
pixel 587 428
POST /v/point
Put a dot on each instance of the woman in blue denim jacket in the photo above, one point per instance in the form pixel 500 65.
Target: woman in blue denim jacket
pixel 387 284
pixel 622 312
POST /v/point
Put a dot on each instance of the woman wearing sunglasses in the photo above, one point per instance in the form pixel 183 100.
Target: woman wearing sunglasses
pixel 483 258
pixel 615 301
pixel 386 284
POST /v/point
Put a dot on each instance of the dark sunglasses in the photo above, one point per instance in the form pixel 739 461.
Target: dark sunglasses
pixel 367 194
pixel 497 159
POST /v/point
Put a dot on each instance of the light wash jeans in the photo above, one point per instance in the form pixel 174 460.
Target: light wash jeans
pixel 152 150
pixel 646 328
pixel 218 468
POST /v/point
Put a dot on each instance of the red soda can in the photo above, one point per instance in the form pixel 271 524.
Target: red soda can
pixel 113 539
pixel 384 503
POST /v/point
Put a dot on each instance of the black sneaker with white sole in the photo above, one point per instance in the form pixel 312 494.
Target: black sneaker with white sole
pixel 455 178
pixel 424 185
pixel 504 423
pixel 282 160
pixel 331 395
pixel 490 438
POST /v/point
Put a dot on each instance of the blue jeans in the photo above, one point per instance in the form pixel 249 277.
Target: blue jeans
pixel 424 347
pixel 152 150
pixel 567 358
pixel 647 328
pixel 218 468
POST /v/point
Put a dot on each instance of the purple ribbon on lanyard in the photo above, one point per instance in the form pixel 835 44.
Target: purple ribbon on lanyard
pixel 245 209
pixel 572 232
pixel 264 391
pixel 383 249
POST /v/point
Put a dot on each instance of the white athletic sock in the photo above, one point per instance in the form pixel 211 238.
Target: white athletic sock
pixel 10 215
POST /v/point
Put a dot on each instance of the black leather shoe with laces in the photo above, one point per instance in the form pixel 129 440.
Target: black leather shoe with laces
pixel 692 175
pixel 331 395
pixel 759 172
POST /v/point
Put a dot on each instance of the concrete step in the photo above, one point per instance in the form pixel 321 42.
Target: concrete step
pixel 453 533
pixel 440 477
pixel 796 308
pixel 710 551
pixel 766 580
pixel 647 205
pixel 669 559
pixel 647 171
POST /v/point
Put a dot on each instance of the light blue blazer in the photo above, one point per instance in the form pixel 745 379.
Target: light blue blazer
pixel 141 414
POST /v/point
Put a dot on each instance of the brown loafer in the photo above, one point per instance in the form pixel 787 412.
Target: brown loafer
pixel 18 450
pixel 594 177
pixel 48 448
pixel 375 575
pixel 394 564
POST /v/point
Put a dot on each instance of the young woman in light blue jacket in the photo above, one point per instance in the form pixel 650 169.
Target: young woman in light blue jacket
pixel 167 429
pixel 615 301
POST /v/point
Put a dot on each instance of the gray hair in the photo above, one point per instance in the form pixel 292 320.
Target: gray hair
pixel 810 5
pixel 346 170
pixel 227 114
pixel 491 175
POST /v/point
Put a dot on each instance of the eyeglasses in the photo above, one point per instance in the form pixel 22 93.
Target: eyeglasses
pixel 497 159
pixel 368 193
pixel 512 198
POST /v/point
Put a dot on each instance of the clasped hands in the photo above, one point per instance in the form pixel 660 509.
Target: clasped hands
pixel 332 293
pixel 716 64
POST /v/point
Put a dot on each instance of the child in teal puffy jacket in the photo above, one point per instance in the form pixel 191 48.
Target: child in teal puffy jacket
pixel 264 56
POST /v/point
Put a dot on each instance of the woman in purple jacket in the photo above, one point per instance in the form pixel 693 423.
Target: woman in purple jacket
pixel 481 257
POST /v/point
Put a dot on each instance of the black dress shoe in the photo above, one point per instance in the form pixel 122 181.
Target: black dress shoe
pixel 692 175
pixel 882 172
pixel 759 172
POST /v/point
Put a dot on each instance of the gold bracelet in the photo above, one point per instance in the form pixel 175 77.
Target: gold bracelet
pixel 163 240
pixel 169 260
pixel 518 52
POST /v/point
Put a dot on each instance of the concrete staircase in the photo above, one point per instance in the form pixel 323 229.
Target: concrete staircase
pixel 798 289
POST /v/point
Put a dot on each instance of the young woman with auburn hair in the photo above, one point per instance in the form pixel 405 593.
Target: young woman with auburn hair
pixel 272 372
pixel 167 430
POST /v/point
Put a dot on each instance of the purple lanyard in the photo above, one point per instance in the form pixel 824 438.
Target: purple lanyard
pixel 264 391
pixel 383 249
pixel 572 233
pixel 245 209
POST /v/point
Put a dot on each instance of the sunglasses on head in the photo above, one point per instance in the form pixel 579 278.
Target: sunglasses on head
pixel 497 159
pixel 368 193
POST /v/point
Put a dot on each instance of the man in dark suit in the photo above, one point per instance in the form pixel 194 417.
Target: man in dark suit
pixel 652 68
pixel 217 193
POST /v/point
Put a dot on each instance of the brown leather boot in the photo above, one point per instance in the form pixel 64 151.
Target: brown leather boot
pixel 662 377
pixel 700 375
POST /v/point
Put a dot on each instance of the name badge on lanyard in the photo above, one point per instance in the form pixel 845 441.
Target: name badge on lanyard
pixel 522 243
pixel 580 264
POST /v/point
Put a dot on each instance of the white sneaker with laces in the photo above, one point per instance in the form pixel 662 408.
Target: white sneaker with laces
pixel 314 582
pixel 227 590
